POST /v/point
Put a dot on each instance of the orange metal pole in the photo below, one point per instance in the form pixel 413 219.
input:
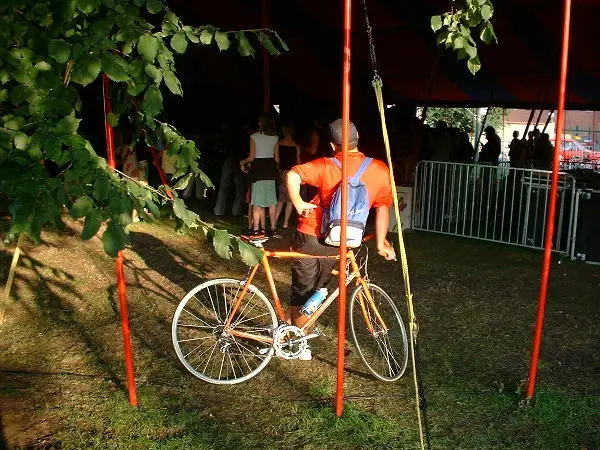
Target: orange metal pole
pixel 121 285
pixel 339 396
pixel 560 120
pixel 266 62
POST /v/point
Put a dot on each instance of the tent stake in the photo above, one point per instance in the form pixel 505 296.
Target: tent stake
pixel 11 277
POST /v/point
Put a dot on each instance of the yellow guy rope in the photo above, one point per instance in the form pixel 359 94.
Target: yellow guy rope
pixel 377 86
pixel 11 276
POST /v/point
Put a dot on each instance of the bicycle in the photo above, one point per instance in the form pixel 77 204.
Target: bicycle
pixel 225 331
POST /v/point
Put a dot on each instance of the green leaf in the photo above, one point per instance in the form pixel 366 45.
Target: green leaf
pixel 183 182
pixel 86 70
pixel 153 208
pixel 148 47
pixel 179 42
pixel 114 238
pixel 206 36
pixel 3 95
pixel 222 243
pixel 172 82
pixel 93 220
pixel 101 189
pixel 67 125
pixel 154 73
pixel 436 23
pixel 180 210
pixel 471 51
pixel 153 101
pixel 35 152
pixel 82 207
pixel 189 32
pixel 59 50
pixel 486 12
pixel 21 140
pixel 222 40
pixel 115 67
pixel 87 6
pixel 14 123
pixel 267 44
pixel 459 42
pixel 244 46
pixel 251 255
pixel 43 66
pixel 112 119
pixel 282 43
pixel 154 6
pixel 474 65
pixel 487 34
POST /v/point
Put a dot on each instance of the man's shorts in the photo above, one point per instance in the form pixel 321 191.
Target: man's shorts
pixel 310 274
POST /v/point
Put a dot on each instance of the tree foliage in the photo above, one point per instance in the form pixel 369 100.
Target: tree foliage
pixel 49 50
pixel 453 29
pixel 464 118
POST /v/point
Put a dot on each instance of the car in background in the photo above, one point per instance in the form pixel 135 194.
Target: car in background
pixel 573 151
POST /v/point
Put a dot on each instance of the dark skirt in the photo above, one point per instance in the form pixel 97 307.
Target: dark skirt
pixel 264 169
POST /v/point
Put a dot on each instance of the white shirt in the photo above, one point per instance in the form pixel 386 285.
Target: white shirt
pixel 264 145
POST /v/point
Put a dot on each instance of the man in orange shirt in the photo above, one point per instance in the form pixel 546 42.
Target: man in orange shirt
pixel 309 274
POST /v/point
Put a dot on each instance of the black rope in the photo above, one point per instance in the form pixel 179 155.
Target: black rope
pixel 369 28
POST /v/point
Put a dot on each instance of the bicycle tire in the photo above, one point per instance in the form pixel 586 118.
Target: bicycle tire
pixel 390 347
pixel 198 324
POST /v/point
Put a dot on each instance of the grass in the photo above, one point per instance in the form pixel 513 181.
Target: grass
pixel 61 381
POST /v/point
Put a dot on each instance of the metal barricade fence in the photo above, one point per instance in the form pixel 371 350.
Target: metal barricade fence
pixel 493 203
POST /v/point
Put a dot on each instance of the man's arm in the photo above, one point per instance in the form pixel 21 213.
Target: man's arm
pixel 293 184
pixel 382 223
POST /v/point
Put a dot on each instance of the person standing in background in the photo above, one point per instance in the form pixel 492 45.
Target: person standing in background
pixel 289 156
pixel 263 174
pixel 231 145
pixel 490 152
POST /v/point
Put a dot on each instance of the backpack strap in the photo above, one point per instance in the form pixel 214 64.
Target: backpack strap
pixel 336 162
pixel 359 173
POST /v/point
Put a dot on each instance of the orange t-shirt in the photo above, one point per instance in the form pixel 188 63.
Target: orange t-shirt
pixel 326 176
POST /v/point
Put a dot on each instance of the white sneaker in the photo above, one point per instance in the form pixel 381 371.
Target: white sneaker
pixel 306 355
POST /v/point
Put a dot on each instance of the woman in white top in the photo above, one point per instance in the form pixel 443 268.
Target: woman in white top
pixel 263 174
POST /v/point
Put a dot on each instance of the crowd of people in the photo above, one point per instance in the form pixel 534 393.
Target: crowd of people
pixel 248 165
pixel 536 151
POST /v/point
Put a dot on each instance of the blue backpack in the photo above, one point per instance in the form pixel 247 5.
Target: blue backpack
pixel 358 210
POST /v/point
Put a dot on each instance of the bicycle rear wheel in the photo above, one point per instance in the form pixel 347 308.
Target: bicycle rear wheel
pixel 205 349
pixel 384 352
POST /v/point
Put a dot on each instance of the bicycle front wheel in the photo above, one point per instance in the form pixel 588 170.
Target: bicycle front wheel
pixel 378 333
pixel 203 346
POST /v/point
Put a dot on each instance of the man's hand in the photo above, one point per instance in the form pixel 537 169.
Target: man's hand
pixel 303 208
pixel 386 250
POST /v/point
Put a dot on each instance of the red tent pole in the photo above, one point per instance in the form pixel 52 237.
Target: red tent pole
pixel 560 120
pixel 266 62
pixel 121 285
pixel 339 396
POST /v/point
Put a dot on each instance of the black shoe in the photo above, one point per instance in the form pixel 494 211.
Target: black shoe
pixel 256 234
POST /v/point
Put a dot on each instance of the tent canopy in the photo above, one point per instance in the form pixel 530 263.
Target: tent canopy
pixel 521 70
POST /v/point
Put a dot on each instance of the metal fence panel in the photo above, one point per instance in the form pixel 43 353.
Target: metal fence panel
pixel 492 202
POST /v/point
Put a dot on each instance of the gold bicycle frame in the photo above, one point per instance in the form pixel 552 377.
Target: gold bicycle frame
pixel 365 304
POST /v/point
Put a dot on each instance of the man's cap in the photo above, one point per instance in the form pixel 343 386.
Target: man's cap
pixel 335 133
